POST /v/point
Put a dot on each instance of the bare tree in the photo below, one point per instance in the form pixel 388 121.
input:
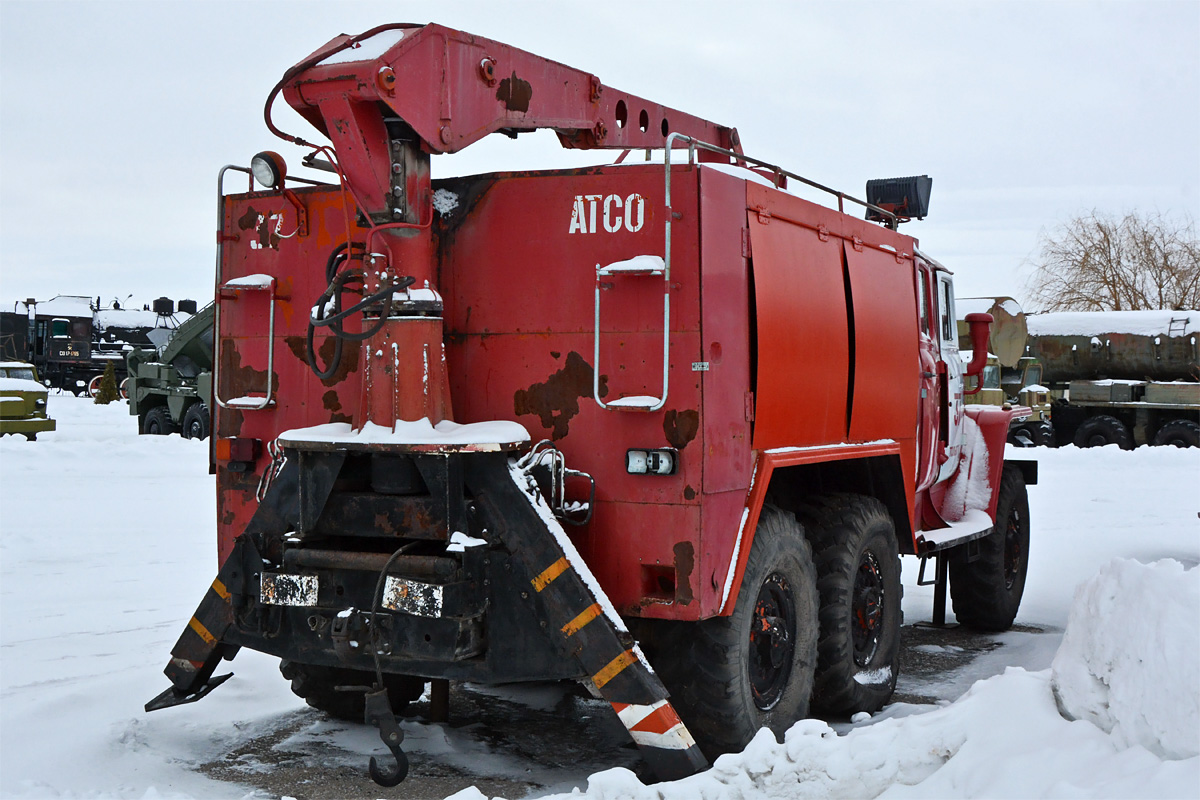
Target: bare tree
pixel 1101 263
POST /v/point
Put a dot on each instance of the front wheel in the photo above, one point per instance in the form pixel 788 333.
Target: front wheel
pixel 986 587
pixel 730 676
pixel 858 574
pixel 158 422
pixel 196 422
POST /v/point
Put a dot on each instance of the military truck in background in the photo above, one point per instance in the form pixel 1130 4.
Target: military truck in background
pixel 1121 377
pixel 70 339
pixel 22 401
pixel 170 386
pixel 1011 377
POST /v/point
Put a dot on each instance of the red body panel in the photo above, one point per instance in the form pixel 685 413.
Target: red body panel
pixel 516 266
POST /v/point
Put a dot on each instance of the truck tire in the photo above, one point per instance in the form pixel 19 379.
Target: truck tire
pixel 317 686
pixel 1180 433
pixel 858 576
pixel 1043 434
pixel 158 422
pixel 196 422
pixel 986 591
pixel 1102 430
pixel 730 676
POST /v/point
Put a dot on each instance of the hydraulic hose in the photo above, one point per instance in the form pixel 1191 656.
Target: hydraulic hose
pixel 333 294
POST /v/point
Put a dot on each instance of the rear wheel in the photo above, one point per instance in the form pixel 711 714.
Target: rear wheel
pixel 318 687
pixel 986 590
pixel 1043 433
pixel 1102 430
pixel 730 676
pixel 1179 433
pixel 93 387
pixel 158 422
pixel 858 575
pixel 196 422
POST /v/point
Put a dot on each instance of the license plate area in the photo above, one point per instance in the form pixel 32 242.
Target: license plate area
pixel 284 589
pixel 414 597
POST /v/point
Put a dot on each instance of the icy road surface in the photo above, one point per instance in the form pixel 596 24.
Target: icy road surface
pixel 107 544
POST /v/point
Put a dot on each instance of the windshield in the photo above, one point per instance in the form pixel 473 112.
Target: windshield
pixel 1033 375
pixel 991 377
pixel 17 372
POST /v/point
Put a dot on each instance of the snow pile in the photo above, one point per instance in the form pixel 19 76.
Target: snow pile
pixel 1130 658
pixel 1003 738
pixel 1095 323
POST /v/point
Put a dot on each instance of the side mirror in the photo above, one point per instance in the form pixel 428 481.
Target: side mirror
pixel 979 328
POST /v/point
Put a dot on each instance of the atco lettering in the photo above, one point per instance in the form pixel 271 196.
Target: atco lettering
pixel 615 213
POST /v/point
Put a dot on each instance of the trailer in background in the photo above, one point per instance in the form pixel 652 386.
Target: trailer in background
pixel 1121 377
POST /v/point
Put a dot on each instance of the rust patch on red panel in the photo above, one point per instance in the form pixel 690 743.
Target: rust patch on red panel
pixel 515 93
pixel 262 225
pixel 334 406
pixel 685 561
pixel 325 351
pixel 681 427
pixel 238 380
pixel 556 401
pixel 689 493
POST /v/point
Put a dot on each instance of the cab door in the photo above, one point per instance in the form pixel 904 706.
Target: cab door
pixel 950 379
pixel 928 420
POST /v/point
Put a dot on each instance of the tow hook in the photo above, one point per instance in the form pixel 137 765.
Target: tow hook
pixel 378 712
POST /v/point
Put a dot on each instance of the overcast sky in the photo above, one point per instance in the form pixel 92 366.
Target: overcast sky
pixel 116 116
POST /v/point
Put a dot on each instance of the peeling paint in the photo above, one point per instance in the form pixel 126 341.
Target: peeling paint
pixel 680 427
pixel 515 93
pixel 685 561
pixel 349 363
pixel 413 597
pixel 556 401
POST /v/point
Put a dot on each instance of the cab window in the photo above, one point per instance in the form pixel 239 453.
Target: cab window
pixel 946 312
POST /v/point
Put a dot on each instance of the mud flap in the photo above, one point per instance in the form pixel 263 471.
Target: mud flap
pixel 573 608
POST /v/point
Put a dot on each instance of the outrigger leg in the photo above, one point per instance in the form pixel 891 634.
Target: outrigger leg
pixel 200 648
pixel 578 615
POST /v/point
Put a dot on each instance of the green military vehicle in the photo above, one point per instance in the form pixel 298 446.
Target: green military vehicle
pixel 1010 377
pixel 22 401
pixel 170 387
pixel 1128 378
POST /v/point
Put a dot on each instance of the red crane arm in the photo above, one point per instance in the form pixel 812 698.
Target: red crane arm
pixel 453 88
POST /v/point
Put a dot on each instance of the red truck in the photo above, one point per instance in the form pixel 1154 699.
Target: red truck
pixel 661 429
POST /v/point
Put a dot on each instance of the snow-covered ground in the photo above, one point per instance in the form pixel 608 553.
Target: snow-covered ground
pixel 106 545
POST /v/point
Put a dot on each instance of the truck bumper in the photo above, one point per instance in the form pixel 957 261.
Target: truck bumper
pixel 31 425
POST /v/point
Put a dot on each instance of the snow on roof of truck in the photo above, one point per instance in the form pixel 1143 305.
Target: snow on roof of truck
pixel 1092 323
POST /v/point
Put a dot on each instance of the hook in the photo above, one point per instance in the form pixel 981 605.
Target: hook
pixel 378 712
pixel 393 777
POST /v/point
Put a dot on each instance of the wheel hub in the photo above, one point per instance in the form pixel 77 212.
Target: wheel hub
pixel 867 609
pixel 772 641
pixel 1012 549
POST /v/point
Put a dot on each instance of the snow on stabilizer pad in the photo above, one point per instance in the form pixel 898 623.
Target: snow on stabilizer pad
pixel 1133 672
pixel 421 431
